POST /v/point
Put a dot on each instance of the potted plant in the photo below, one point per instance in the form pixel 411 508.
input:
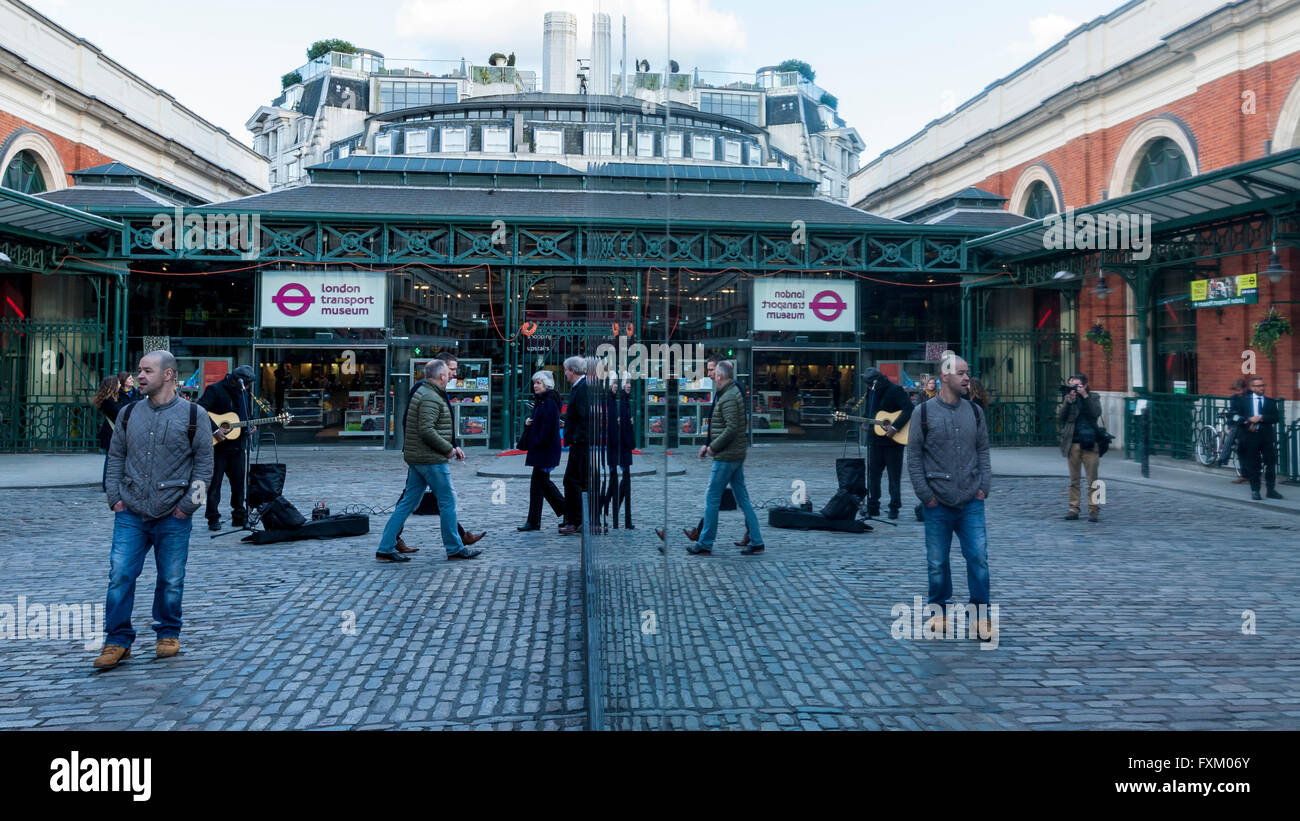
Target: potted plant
pixel 1100 336
pixel 1268 331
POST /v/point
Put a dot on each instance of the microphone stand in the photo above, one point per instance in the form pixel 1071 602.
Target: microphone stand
pixel 871 431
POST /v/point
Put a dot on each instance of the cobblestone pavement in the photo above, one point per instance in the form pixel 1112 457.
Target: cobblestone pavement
pixel 1134 622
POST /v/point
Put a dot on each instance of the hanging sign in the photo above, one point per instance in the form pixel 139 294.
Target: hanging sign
pixel 804 305
pixel 1215 293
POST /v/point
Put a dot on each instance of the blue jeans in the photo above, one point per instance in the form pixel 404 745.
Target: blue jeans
pixel 132 537
pixel 967 521
pixel 418 477
pixel 727 473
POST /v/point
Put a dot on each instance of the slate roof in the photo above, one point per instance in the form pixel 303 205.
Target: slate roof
pixel 994 218
pixel 574 206
pixel 81 197
pixel 121 174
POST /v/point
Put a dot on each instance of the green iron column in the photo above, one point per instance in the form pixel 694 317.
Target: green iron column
pixel 508 371
pixel 967 343
pixel 1142 289
pixel 121 298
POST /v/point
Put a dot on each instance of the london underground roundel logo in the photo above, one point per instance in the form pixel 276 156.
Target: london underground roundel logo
pixel 293 299
pixel 828 306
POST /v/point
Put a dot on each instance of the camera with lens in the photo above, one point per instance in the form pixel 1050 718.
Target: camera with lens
pixel 1066 390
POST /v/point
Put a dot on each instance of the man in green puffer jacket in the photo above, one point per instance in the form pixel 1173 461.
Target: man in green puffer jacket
pixel 728 444
pixel 426 448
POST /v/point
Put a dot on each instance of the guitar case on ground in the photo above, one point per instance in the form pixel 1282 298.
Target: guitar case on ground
pixel 793 518
pixel 331 527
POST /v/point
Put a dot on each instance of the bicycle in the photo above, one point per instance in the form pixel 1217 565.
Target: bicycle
pixel 1211 442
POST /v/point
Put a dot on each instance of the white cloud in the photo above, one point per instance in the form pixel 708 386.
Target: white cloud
pixel 1044 32
pixel 451 29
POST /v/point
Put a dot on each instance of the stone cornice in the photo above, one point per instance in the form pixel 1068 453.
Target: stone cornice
pixel 114 118
pixel 1176 47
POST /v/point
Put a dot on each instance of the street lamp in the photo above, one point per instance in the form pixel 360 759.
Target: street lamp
pixel 1274 271
pixel 1101 291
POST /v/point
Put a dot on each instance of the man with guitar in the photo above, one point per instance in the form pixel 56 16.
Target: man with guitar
pixel 883 450
pixel 229 396
pixel 1256 414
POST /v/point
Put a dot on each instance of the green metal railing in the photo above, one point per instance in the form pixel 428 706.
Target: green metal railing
pixel 1022 421
pixel 1175 418
pixel 49 371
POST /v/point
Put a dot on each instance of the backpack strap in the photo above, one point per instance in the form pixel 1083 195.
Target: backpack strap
pixel 126 416
pixel 194 421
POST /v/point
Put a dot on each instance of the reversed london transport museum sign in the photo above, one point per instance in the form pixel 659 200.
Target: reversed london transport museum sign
pixel 332 299
pixel 805 305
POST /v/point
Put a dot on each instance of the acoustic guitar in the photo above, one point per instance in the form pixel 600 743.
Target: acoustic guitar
pixel 229 424
pixel 882 418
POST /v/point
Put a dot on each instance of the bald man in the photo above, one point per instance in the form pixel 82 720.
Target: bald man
pixel 948 463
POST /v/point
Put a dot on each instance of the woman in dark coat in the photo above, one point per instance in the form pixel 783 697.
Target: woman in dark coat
pixel 618 441
pixel 107 401
pixel 541 439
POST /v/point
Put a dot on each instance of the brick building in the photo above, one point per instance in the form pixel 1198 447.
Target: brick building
pixel 78 129
pixel 1176 113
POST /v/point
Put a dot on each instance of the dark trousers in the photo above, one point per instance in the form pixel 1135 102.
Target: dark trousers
pixel 1256 452
pixel 880 457
pixel 618 492
pixel 228 462
pixel 541 487
pixel 575 482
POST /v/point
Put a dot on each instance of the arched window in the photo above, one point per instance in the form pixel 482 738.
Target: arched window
pixel 24 174
pixel 1039 202
pixel 1162 161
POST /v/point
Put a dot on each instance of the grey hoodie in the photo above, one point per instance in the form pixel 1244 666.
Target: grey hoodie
pixel 153 466
pixel 953 465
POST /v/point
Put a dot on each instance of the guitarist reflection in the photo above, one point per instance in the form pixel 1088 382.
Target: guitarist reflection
pixel 230 395
pixel 883 452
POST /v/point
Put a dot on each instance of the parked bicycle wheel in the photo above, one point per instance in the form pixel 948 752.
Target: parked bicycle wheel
pixel 1236 464
pixel 1207 445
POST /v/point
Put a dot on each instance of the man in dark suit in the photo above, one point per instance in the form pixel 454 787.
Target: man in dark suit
pixel 576 421
pixel 882 452
pixel 1256 414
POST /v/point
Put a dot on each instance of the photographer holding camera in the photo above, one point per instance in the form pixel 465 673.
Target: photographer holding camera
pixel 1080 438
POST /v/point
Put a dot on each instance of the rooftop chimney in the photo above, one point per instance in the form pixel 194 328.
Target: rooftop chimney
pixel 560 53
pixel 601 55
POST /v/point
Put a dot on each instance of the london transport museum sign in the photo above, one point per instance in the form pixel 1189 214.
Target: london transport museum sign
pixel 315 299
pixel 804 305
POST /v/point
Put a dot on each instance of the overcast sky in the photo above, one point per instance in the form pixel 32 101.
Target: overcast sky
pixel 893 65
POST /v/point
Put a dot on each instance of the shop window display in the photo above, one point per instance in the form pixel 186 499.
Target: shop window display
pixel 332 393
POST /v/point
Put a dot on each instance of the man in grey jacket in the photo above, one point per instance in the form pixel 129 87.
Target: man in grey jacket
pixel 159 463
pixel 948 463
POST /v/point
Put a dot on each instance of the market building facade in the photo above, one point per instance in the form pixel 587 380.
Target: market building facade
pixel 1151 157
pixel 73 119
pixel 338 290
